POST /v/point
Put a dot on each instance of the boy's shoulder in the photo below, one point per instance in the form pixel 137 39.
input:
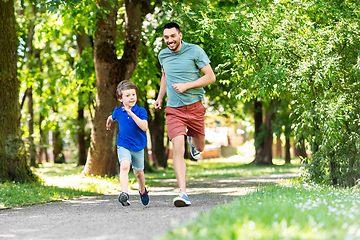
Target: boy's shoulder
pixel 117 110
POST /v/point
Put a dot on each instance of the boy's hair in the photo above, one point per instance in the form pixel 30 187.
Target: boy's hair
pixel 172 25
pixel 125 85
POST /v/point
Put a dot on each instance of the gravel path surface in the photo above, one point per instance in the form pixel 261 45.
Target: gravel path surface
pixel 103 217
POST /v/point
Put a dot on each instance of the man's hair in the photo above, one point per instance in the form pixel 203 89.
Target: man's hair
pixel 171 25
pixel 125 85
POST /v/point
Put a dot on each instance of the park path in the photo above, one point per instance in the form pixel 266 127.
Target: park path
pixel 102 217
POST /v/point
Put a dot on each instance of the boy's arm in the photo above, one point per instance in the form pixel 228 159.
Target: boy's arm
pixel 208 78
pixel 162 92
pixel 143 124
pixel 109 121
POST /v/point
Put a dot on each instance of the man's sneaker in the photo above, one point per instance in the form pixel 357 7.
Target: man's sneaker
pixel 124 199
pixel 195 154
pixel 144 197
pixel 181 201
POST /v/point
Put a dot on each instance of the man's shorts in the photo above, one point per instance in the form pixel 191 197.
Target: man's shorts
pixel 191 117
pixel 136 158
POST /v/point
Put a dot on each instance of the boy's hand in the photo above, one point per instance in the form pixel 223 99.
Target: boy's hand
pixel 109 122
pixel 127 109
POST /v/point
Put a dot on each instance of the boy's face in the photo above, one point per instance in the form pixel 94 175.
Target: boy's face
pixel 129 98
pixel 172 39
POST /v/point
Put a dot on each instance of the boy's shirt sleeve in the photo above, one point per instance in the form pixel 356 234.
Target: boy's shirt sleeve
pixel 114 114
pixel 143 114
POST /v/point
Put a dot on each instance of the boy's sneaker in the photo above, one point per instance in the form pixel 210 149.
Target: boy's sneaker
pixel 124 199
pixel 195 154
pixel 181 201
pixel 144 197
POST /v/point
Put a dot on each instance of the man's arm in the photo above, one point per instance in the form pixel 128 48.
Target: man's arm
pixel 206 79
pixel 162 92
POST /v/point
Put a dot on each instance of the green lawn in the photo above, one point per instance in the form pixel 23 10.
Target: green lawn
pixel 290 211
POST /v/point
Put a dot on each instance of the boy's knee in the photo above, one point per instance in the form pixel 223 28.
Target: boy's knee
pixel 138 173
pixel 125 166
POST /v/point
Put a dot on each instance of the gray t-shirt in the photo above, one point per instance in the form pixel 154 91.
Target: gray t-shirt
pixel 180 67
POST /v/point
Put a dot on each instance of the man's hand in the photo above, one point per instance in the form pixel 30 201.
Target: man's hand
pixel 157 104
pixel 180 87
pixel 109 121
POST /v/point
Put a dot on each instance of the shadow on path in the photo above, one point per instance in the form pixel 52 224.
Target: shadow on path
pixel 102 217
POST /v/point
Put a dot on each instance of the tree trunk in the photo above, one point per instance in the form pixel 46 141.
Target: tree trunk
pixel 278 146
pixel 287 151
pixel 32 147
pixel 29 91
pixel 300 149
pixel 157 133
pixel 109 72
pixel 13 166
pixel 263 141
pixel 83 41
pixel 58 146
pixel 43 134
pixel 287 142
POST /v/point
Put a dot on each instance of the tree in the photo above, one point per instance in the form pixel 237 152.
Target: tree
pixel 109 72
pixel 308 50
pixel 13 165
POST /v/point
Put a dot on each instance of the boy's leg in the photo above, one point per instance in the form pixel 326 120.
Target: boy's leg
pixel 141 180
pixel 124 175
pixel 179 161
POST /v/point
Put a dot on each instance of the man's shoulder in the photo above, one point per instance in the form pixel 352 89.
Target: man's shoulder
pixel 191 46
pixel 164 51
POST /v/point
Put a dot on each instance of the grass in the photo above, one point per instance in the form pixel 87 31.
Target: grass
pixel 63 181
pixel 291 211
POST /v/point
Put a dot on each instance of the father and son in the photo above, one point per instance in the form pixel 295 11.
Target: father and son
pixel 182 64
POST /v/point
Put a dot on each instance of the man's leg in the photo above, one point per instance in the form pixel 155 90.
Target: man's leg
pixel 199 144
pixel 179 161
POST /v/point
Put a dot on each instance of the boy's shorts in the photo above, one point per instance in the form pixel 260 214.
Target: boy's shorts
pixel 136 158
pixel 191 117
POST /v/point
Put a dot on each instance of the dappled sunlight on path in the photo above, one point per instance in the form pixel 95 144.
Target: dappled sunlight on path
pixel 102 217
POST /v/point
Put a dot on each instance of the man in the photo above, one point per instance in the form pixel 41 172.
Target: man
pixel 182 64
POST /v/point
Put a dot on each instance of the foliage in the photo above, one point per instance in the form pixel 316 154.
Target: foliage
pixel 305 51
pixel 302 211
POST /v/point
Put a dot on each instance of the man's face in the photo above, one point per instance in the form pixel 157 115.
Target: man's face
pixel 172 39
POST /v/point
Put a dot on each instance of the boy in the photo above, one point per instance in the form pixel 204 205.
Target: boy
pixel 131 139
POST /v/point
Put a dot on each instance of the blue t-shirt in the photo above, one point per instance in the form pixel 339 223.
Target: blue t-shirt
pixel 180 67
pixel 130 136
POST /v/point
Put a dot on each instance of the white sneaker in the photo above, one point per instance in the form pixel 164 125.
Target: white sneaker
pixel 182 201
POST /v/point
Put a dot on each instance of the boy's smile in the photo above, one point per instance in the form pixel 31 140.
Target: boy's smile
pixel 129 98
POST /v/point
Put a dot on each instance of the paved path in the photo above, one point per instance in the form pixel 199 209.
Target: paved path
pixel 102 217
